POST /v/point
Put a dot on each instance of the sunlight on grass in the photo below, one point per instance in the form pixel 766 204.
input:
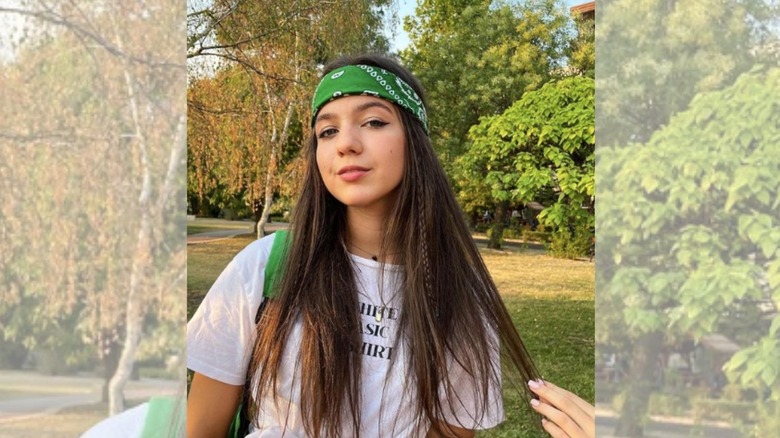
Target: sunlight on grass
pixel 205 261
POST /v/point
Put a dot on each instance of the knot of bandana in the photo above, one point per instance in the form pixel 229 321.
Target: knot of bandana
pixel 367 80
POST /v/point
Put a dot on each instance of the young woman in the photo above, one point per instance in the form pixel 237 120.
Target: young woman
pixel 384 321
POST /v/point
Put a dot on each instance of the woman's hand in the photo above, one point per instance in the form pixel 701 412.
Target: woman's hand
pixel 566 415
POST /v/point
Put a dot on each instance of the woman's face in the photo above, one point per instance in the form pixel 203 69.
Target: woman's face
pixel 360 151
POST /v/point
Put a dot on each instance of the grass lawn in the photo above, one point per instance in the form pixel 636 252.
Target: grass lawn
pixel 552 304
pixel 195 229
pixel 205 225
pixel 551 301
pixel 70 422
pixel 205 261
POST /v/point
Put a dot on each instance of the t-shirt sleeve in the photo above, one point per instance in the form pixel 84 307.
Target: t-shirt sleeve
pixel 221 333
pixel 464 406
pixel 127 424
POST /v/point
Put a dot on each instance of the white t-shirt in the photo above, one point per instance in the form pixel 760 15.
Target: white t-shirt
pixel 221 334
pixel 161 417
pixel 128 424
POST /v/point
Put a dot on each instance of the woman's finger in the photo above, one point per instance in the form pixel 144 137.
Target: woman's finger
pixel 562 421
pixel 569 412
pixel 582 404
pixel 556 397
pixel 553 430
pixel 589 423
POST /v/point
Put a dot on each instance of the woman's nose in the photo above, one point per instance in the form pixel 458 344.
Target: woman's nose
pixel 349 141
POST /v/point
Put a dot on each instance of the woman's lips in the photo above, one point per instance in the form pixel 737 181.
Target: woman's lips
pixel 352 173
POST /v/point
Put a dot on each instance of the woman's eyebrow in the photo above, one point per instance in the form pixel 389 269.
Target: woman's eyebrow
pixel 360 108
pixel 324 116
pixel 373 103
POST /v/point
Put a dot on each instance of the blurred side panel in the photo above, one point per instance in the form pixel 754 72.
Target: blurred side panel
pixel 688 235
pixel 92 212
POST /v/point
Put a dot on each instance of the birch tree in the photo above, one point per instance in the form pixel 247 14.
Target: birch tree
pixel 92 177
pixel 276 46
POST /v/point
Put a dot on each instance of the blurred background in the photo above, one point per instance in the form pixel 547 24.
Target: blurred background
pixel 687 266
pixel 92 200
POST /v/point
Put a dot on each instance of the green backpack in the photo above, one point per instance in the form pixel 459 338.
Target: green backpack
pixel 164 418
pixel 239 428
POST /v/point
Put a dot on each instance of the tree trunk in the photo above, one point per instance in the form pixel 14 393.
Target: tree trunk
pixel 269 200
pixel 110 363
pixel 641 383
pixel 276 146
pixel 497 233
pixel 277 142
pixel 140 259
pixel 134 315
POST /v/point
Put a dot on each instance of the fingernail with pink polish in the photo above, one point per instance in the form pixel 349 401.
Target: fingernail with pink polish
pixel 534 402
pixel 533 384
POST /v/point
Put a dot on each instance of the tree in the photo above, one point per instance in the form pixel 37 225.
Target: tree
pixel 477 58
pixel 541 148
pixel 694 240
pixel 582 48
pixel 659 54
pixel 272 50
pixel 91 176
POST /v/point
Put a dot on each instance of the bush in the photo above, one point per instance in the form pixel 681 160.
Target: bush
pixel 539 235
pixel 571 245
pixel 512 233
pixel 14 355
pixel 667 404
pixel 660 403
pixel 723 410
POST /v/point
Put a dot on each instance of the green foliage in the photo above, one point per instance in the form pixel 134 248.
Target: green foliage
pixel 661 54
pixel 476 58
pixel 690 219
pixel 14 354
pixel 91 177
pixel 540 149
pixel 667 404
pixel 571 244
pixel 248 119
pixel 582 49
pixel 733 412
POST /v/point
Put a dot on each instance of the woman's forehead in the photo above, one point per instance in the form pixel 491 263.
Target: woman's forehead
pixel 347 105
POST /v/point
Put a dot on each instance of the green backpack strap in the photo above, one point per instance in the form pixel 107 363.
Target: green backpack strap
pixel 240 425
pixel 164 418
pixel 275 259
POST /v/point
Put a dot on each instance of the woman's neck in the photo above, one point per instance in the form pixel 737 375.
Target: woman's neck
pixel 364 234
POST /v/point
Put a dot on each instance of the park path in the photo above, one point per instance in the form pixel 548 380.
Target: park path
pixel 26 394
pixel 663 427
pixel 225 229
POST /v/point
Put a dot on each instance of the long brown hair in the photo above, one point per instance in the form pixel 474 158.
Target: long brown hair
pixel 451 309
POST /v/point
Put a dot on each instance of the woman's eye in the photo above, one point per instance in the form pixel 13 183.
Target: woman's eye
pixel 326 133
pixel 376 123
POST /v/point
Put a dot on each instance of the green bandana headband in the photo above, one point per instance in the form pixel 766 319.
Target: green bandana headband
pixel 356 80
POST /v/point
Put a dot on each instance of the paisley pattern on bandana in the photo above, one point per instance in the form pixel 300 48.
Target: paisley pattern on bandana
pixel 356 80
